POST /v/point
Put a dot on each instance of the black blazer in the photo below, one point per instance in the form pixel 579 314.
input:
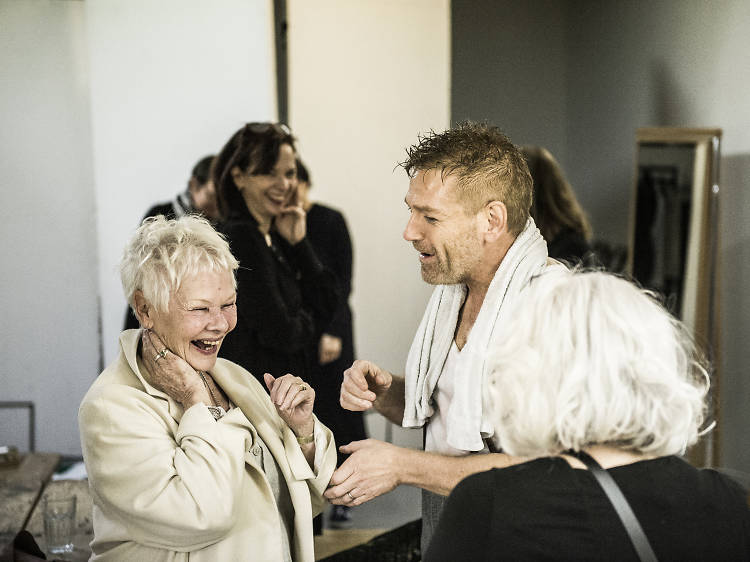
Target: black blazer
pixel 285 298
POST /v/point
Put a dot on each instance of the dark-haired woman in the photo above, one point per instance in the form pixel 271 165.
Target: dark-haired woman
pixel 286 294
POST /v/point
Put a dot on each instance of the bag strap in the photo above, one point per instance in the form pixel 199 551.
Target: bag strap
pixel 621 505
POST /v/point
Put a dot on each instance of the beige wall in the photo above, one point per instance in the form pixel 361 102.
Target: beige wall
pixel 364 78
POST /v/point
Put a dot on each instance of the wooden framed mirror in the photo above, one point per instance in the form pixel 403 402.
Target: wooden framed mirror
pixel 673 242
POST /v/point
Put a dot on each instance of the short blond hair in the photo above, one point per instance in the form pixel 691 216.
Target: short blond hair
pixel 591 359
pixel 162 253
pixel 487 166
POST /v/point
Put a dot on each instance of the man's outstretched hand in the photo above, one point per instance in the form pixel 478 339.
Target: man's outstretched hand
pixel 370 471
pixel 363 383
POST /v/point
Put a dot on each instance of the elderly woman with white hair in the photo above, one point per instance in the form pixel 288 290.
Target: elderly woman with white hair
pixel 188 457
pixel 598 389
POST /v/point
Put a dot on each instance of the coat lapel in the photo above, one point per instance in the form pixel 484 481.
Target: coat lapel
pixel 238 383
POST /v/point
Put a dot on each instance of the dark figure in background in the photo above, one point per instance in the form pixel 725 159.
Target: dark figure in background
pixel 199 197
pixel 555 209
pixel 286 295
pixel 327 232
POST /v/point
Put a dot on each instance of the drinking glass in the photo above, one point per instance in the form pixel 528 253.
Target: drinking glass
pixel 59 522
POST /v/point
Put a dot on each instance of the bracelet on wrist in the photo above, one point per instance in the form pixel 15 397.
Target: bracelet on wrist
pixel 217 412
pixel 307 439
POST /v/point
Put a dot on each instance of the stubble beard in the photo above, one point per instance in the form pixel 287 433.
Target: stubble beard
pixel 454 266
pixel 433 275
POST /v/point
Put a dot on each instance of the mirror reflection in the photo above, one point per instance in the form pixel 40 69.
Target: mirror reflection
pixel 663 206
pixel 674 236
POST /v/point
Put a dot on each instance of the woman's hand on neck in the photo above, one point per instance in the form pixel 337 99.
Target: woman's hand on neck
pixel 170 373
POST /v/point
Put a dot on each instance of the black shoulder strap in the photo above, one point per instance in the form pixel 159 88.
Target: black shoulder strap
pixel 621 505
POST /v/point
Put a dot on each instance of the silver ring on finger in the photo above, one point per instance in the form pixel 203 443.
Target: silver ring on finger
pixel 161 355
pixel 351 497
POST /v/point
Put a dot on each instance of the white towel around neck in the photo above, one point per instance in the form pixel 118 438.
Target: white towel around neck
pixel 526 258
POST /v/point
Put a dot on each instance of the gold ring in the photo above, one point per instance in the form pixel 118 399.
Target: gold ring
pixel 349 493
pixel 302 387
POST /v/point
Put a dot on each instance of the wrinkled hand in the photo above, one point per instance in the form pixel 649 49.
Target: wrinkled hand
pixel 294 405
pixel 329 348
pixel 370 471
pixel 170 373
pixel 291 222
pixel 363 382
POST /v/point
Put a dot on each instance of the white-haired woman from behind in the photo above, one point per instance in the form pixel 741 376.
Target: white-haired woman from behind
pixel 594 366
pixel 188 457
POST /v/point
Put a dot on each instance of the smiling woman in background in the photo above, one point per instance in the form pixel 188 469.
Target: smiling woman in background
pixel 608 376
pixel 187 455
pixel 287 296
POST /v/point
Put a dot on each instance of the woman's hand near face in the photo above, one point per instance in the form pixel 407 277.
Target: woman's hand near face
pixel 291 222
pixel 294 400
pixel 170 373
pixel 329 348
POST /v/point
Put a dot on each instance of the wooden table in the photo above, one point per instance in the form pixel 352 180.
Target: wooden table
pixel 84 528
pixel 21 487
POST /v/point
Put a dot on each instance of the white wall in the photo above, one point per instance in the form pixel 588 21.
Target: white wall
pixel 365 77
pixel 49 341
pixel 170 82
pixel 106 105
pixel 670 63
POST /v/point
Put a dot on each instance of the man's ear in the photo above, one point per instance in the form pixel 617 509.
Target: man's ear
pixel 143 310
pixel 496 217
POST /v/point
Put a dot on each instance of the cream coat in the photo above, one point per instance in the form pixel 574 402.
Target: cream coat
pixel 170 485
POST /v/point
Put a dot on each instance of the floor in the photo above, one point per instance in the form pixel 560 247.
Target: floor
pixel 386 512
